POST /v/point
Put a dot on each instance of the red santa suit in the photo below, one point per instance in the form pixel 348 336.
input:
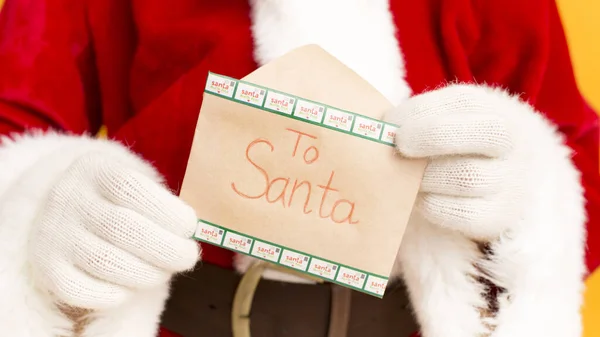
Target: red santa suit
pixel 138 68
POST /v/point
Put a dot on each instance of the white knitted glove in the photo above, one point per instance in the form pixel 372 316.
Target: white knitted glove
pixel 86 224
pixel 110 229
pixel 480 149
pixel 500 201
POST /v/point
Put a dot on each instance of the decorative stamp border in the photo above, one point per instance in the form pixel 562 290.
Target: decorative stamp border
pixel 315 266
pixel 301 109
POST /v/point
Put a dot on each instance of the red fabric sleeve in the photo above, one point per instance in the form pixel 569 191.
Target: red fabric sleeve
pixel 561 100
pixel 47 73
pixel 166 333
pixel 526 51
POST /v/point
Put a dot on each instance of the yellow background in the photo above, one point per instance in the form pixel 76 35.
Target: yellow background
pixel 582 23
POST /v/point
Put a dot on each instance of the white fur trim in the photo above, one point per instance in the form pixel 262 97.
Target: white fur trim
pixel 140 317
pixel 538 258
pixel 29 167
pixel 361 34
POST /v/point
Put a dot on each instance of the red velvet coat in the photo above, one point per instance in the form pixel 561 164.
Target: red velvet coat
pixel 138 67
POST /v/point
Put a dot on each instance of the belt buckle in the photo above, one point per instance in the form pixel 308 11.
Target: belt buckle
pixel 244 296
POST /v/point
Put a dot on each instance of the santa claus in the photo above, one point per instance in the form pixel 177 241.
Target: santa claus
pixel 91 231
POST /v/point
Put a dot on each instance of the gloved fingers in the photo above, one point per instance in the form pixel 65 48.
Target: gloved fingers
pixel 478 218
pixel 131 189
pixel 109 263
pixel 448 100
pixel 75 288
pixel 465 176
pixel 455 134
pixel 140 236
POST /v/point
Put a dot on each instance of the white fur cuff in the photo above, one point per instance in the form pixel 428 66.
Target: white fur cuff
pixel 30 165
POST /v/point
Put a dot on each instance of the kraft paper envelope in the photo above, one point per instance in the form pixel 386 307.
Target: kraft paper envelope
pixel 287 166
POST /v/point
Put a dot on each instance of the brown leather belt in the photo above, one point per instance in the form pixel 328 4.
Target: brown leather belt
pixel 201 306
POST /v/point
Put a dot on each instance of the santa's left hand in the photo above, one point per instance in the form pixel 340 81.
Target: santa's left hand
pixel 489 154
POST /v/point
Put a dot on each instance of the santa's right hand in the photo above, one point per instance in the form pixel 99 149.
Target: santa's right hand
pixel 109 228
